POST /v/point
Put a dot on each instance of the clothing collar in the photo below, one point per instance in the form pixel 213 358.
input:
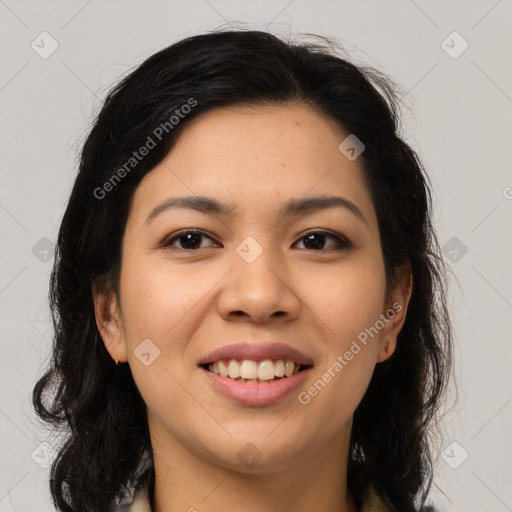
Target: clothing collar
pixel 372 502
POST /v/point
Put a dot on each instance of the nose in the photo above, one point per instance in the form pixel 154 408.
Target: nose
pixel 258 291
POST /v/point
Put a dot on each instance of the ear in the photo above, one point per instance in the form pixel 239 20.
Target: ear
pixel 395 312
pixel 108 319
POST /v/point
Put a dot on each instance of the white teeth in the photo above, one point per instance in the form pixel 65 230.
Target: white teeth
pixel 223 369
pixel 288 368
pixel 234 370
pixel 279 367
pixel 253 371
pixel 248 369
pixel 266 370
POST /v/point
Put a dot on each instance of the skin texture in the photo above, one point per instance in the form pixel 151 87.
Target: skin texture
pixel 189 302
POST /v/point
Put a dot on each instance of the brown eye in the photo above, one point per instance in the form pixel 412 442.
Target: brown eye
pixel 316 240
pixel 189 240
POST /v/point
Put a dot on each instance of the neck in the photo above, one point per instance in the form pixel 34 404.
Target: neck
pixel 189 481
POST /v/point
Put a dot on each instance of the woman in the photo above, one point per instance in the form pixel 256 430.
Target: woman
pixel 248 293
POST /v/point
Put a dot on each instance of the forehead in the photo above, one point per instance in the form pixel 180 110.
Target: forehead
pixel 279 134
pixel 255 158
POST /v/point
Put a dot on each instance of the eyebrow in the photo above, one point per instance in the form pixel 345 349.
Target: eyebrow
pixel 293 207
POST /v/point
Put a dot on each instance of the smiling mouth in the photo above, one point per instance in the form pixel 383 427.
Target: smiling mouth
pixel 246 370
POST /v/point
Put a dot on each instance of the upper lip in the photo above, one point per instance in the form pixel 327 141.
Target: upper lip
pixel 256 352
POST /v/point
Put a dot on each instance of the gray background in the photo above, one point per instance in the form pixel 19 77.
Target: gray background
pixel 460 124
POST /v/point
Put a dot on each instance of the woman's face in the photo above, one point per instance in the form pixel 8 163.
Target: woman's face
pixel 312 279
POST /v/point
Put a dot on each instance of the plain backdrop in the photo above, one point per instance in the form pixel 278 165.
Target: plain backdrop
pixel 58 59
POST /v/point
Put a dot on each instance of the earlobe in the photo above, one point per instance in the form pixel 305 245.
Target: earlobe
pixel 396 310
pixel 108 321
pixel 386 350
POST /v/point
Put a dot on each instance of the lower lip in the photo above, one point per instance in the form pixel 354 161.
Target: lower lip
pixel 255 393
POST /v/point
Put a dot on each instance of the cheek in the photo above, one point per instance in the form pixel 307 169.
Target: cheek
pixel 161 303
pixel 347 304
pixel 348 299
pixel 165 303
pixel 159 298
pixel 337 390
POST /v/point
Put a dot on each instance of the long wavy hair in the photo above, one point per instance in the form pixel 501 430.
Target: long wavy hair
pixel 97 403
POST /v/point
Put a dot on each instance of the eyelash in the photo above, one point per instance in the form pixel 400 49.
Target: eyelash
pixel 341 242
